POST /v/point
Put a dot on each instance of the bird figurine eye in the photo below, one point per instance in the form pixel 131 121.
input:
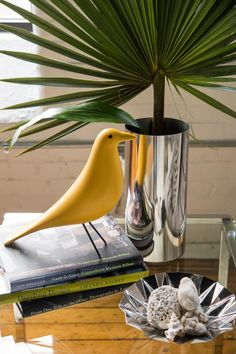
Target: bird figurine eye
pixel 110 136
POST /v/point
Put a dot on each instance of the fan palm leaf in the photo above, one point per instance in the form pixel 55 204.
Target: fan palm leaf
pixel 123 47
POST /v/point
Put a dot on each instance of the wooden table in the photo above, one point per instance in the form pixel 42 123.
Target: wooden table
pixel 98 326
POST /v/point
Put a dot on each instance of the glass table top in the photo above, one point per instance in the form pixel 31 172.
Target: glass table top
pixel 229 229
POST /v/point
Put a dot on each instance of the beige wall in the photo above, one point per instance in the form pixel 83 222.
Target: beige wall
pixel 33 182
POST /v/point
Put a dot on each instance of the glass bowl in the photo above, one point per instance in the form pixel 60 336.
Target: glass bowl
pixel 216 301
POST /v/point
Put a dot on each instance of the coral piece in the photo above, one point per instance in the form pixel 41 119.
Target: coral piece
pixel 161 304
pixel 188 295
pixel 175 328
pixel 202 317
pixel 192 326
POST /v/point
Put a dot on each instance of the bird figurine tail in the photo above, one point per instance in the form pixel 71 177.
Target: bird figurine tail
pixel 94 193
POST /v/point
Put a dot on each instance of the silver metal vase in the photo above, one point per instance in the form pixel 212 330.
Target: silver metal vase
pixel 156 185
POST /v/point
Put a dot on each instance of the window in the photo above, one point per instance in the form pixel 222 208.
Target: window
pixel 8 16
pixel 9 67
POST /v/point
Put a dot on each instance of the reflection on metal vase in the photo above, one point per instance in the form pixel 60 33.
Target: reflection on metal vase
pixel 156 181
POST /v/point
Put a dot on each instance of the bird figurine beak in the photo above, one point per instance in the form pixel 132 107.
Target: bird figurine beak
pixel 124 136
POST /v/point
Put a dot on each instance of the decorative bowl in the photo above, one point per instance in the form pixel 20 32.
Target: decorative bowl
pixel 217 302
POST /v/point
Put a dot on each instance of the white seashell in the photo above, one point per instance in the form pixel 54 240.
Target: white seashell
pixel 202 317
pixel 192 326
pixel 162 303
pixel 175 328
pixel 188 295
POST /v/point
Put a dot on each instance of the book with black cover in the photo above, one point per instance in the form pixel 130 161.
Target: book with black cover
pixel 120 276
pixel 61 254
pixel 39 306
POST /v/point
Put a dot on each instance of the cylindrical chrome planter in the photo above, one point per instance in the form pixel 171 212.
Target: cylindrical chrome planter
pixel 156 183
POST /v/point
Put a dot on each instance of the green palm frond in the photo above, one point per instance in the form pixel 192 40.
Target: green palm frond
pixel 83 114
pixel 123 47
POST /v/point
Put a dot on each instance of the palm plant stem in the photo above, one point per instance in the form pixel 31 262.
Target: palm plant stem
pixel 159 98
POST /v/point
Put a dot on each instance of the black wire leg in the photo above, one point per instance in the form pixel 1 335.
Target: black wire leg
pixel 98 233
pixel 91 239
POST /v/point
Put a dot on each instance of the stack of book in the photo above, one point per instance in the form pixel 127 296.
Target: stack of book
pixel 59 267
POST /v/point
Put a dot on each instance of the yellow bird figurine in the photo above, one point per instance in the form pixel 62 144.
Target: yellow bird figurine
pixel 94 193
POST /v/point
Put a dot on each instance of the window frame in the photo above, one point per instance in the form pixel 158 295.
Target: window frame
pixel 17 23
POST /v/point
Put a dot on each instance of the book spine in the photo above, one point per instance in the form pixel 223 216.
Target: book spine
pixel 83 285
pixel 72 274
pixel 37 307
